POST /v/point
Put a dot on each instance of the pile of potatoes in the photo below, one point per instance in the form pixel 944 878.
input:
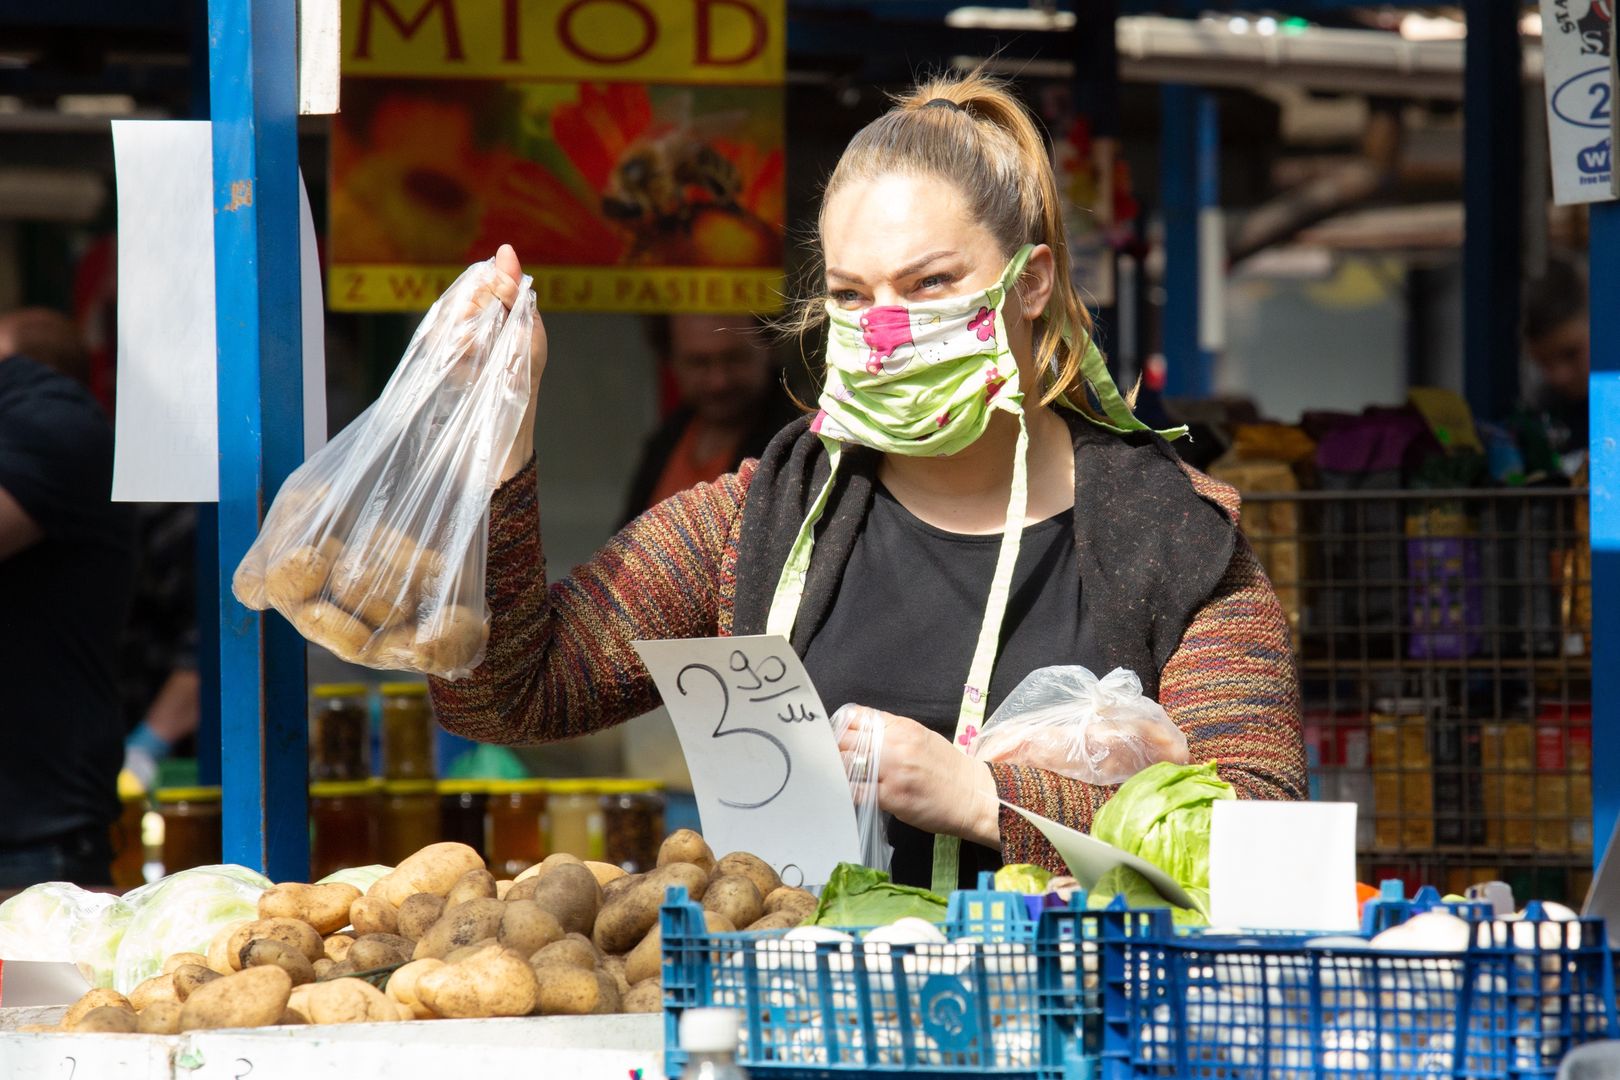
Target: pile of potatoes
pixel 565 937
pixel 375 602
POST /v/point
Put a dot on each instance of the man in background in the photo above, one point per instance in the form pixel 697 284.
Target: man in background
pixel 67 567
pixel 1557 337
pixel 731 404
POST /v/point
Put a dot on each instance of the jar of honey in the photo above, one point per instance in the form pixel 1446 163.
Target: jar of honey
pixel 339 733
pixel 407 731
pixel 410 819
pixel 632 823
pixel 342 826
pixel 574 814
pixel 463 805
pixel 192 826
pixel 129 857
pixel 516 834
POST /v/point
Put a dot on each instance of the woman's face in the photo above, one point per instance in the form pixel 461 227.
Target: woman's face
pixel 901 239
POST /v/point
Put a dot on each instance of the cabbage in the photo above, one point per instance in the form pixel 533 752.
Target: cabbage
pixel 95 942
pixel 1140 895
pixel 182 913
pixel 1023 878
pixel 859 896
pixel 39 923
pixel 1163 814
pixel 361 877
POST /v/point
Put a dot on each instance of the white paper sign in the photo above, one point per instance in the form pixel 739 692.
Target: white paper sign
pixel 1283 865
pixel 1088 858
pixel 33 983
pixel 760 747
pixel 167 441
pixel 1575 45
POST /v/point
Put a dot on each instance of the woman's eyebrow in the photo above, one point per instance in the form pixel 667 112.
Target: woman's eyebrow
pixel 909 269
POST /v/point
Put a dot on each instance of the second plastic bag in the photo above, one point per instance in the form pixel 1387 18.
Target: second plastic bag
pixel 862 752
pixel 1068 721
pixel 375 546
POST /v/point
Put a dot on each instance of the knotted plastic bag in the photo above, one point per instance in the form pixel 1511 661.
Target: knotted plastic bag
pixel 862 752
pixel 375 547
pixel 1068 721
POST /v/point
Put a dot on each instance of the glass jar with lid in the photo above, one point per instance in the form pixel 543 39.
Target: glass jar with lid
pixel 463 807
pixel 516 835
pixel 574 815
pixel 339 733
pixel 191 826
pixel 407 731
pixel 342 825
pixel 409 821
pixel 632 823
pixel 129 856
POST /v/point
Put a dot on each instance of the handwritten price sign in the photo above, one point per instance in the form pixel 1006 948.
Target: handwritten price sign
pixel 760 747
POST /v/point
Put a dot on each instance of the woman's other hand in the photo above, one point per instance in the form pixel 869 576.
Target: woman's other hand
pixel 926 782
pixel 504 288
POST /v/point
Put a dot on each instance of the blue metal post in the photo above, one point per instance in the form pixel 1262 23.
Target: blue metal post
pixel 1604 285
pixel 1189 164
pixel 1211 242
pixel 254 103
pixel 1493 142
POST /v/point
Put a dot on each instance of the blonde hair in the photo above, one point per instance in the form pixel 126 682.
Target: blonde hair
pixel 973 132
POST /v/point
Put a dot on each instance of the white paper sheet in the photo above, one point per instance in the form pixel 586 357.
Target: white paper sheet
pixel 1283 865
pixel 759 744
pixel 34 983
pixel 167 442
pixel 1089 858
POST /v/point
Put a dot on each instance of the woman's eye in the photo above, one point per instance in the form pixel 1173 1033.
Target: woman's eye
pixel 933 281
pixel 845 297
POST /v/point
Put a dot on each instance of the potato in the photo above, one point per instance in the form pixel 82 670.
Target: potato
pixel 568 991
pixel 502 887
pixel 716 923
pixel 325 907
pixel 526 927
pixel 380 950
pixel 619 887
pixel 626 920
pixel 615 967
pixel 450 639
pixel 340 970
pixel 569 952
pixel 434 869
pixel 94 999
pixel 330 626
pixel 418 914
pixel 496 982
pixel 299 935
pixel 548 864
pixel 290 1018
pixel 572 895
pixel 522 890
pixel 463 924
pixel 297 577
pixel 647 997
pixel 463 952
pixel 607 994
pixel 789 899
pixel 402 986
pixel 159 1018
pixel 686 846
pixel 779 920
pixel 248 582
pixel 262 951
pixel 371 592
pixel 370 915
pixel 753 868
pixel 157 988
pixel 323 967
pixel 347 1001
pixel 179 959
pixel 187 977
pixel 473 885
pixel 219 949
pixel 605 872
pixel 107 1018
pixel 337 946
pixel 735 897
pixel 255 997
pixel 645 961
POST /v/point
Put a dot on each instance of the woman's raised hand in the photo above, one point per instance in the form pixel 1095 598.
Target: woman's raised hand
pixel 503 288
pixel 925 781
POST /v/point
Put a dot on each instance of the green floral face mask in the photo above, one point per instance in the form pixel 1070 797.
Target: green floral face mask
pixel 924 380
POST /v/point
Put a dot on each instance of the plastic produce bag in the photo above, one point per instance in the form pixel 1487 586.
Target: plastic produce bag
pixel 375 547
pixel 1068 721
pixel 861 766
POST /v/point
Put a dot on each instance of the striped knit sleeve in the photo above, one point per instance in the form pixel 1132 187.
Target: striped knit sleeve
pixel 560 661
pixel 1232 689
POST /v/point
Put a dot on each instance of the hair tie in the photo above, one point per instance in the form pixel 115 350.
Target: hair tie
pixel 941 103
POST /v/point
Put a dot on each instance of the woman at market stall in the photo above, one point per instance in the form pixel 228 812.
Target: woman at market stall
pixel 958 513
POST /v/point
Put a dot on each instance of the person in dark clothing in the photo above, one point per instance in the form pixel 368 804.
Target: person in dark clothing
pixel 67 567
pixel 731 404
pixel 1558 339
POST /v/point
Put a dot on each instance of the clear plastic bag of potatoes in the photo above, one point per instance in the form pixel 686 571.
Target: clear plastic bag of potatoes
pixel 374 548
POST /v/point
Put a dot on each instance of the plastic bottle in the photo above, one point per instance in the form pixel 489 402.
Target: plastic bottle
pixel 709 1036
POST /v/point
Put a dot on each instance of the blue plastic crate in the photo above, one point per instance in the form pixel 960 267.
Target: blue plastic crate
pixel 1276 1008
pixel 1005 997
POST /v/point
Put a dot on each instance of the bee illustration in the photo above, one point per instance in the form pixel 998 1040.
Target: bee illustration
pixel 661 181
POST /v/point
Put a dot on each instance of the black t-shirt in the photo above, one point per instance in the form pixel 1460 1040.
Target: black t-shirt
pixel 904 623
pixel 63 602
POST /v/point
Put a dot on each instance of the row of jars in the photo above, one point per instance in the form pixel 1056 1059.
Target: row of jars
pixel 340 740
pixel 513 823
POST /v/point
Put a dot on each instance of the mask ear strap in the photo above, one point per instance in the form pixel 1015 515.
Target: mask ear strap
pixel 790 586
pixel 1121 420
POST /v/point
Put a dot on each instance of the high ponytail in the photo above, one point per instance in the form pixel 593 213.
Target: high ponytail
pixel 972 131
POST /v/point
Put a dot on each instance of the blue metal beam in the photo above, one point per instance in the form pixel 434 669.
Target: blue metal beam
pixel 1493 143
pixel 1604 286
pixel 254 104
pixel 1189 165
